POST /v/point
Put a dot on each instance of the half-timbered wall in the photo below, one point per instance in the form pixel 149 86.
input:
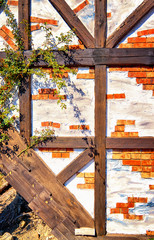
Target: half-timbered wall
pixel 130 111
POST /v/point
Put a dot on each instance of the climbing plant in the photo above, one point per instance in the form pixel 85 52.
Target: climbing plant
pixel 15 68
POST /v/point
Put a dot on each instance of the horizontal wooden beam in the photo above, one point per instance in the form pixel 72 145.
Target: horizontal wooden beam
pixel 105 56
pixel 130 143
pixel 78 163
pixel 68 142
pixel 130 22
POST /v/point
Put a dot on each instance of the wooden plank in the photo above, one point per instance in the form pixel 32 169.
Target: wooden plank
pixel 129 23
pixel 68 142
pixel 73 22
pixel 25 89
pixel 100 120
pixel 130 143
pixel 41 172
pixel 104 56
pixel 78 163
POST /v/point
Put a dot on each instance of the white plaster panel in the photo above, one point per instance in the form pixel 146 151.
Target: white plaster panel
pixel 80 106
pixel 138 104
pixel 121 184
pixel 84 196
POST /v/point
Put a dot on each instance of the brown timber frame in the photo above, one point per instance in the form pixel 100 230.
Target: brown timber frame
pixel 101 54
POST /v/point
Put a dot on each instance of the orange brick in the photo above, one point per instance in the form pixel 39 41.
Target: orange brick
pixel 81 6
pixel 131 162
pixel 150 39
pixel 76 47
pixel 133 217
pixel 133 199
pixel 73 127
pixel 109 15
pixel 80 175
pixel 35 27
pixel 85 76
pixel 119 128
pixel 114 210
pixel 89 180
pixel 150 233
pixel 125 122
pixel 56 155
pixel 43 97
pixel 126 45
pixel 124 210
pixel 119 96
pixel 150 74
pixel 121 156
pixel 137 74
pixel 84 127
pixel 136 40
pixel 45 124
pixel 145 175
pixel 41 20
pixel 89 175
pixel 145 32
pixel 53 97
pixel 145 156
pixel 109 96
pixel 137 169
pixel 85 186
pixel 61 150
pixel 121 122
pixel 56 125
pixel 120 134
pixel 135 155
pixel 133 134
pixel 13 3
pixel 35 97
pixel 114 69
pixel 142 200
pixel 146 162
pixel 125 205
pixel 7 31
pixel 143 45
pixel 66 155
pixel 151 187
pixel 148 81
pixel 91 70
pixel 148 87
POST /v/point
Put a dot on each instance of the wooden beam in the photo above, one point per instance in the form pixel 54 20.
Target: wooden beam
pixel 100 120
pixel 129 23
pixel 25 89
pixel 92 57
pixel 78 163
pixel 73 22
pixel 130 143
pixel 68 142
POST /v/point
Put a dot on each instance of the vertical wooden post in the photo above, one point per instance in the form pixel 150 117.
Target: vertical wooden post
pixel 100 120
pixel 25 89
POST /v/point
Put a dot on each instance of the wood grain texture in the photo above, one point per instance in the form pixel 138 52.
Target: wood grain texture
pixel 100 120
pixel 78 163
pixel 68 142
pixel 42 174
pixel 129 23
pixel 104 56
pixel 130 143
pixel 73 22
pixel 25 89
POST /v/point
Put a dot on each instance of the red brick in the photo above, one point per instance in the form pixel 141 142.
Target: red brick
pixel 76 46
pixel 43 97
pixel 150 74
pixel 137 74
pixel 35 27
pixel 147 169
pixel 142 200
pixel 150 39
pixel 43 149
pixel 131 162
pixel 57 155
pixel 114 69
pixel 53 97
pixel 35 97
pixel 125 122
pixel 151 187
pixel 145 175
pixel 126 45
pixel 124 210
pixel 84 127
pixel 85 76
pixel 150 233
pixel 119 128
pixel 85 186
pixel 125 205
pixel 145 32
pixel 41 20
pixel 133 217
pixel 120 134
pixel 81 6
pixel 66 155
pixel 146 162
pixel 148 87
pixel 56 125
pixel 46 91
pixel 114 210
pixel 73 127
pixel 133 199
pixel 45 124
pixel 133 134
pixel 136 40
pixel 121 122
